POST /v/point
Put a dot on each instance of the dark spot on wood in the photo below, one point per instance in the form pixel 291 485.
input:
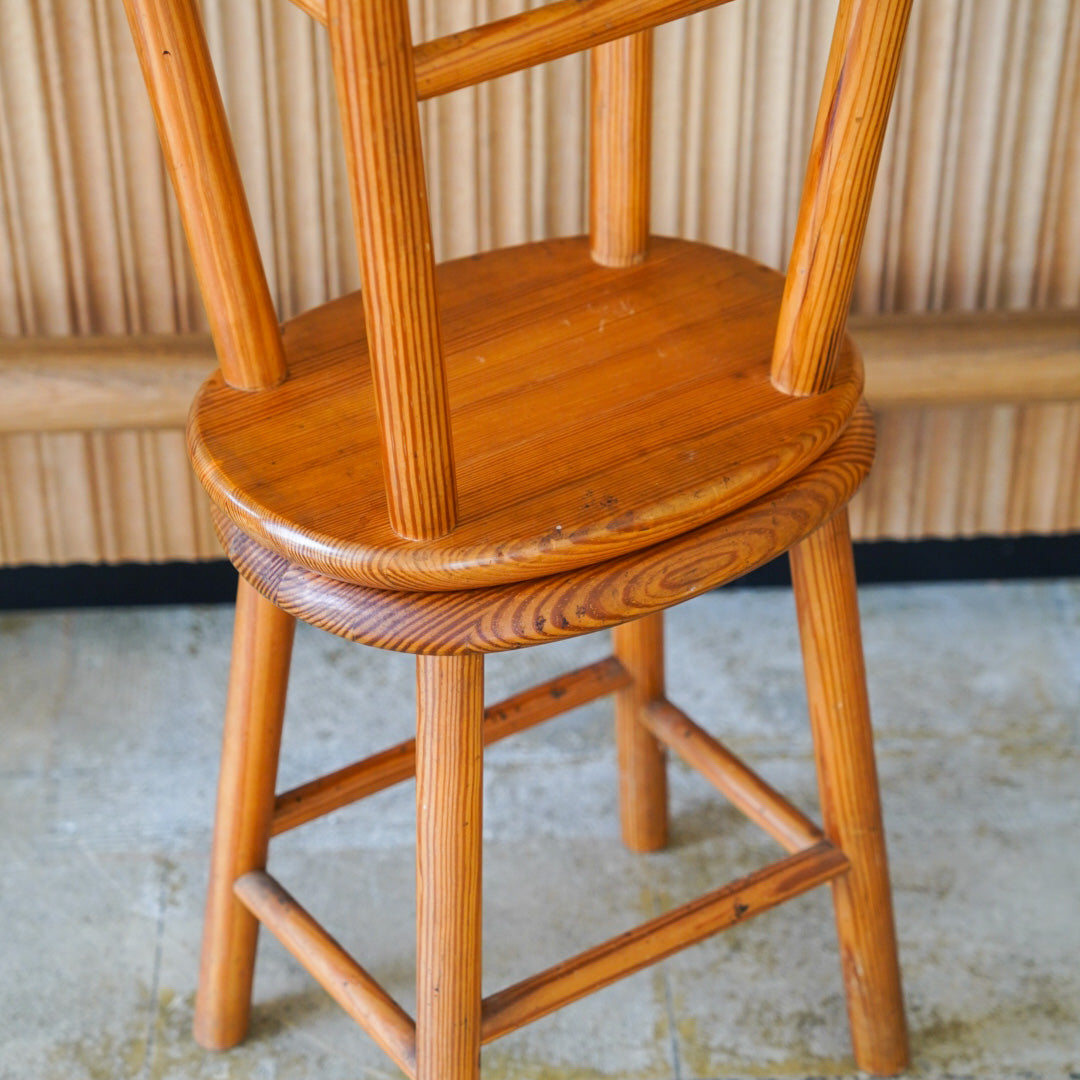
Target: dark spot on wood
pixel 741 910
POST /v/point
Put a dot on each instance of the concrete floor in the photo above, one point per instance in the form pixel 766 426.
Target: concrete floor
pixel 107 772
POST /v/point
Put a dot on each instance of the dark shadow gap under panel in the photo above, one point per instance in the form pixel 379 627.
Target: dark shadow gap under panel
pixel 877 562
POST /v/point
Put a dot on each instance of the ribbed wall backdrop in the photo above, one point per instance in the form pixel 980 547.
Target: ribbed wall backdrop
pixel 978 206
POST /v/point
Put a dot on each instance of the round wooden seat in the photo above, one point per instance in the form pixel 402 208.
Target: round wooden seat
pixel 581 601
pixel 556 367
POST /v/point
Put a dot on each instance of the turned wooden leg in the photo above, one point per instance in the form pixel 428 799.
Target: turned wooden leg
pixel 262 648
pixel 643 806
pixel 824 580
pixel 449 808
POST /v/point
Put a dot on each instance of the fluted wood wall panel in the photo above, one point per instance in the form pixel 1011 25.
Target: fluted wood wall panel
pixel 978 207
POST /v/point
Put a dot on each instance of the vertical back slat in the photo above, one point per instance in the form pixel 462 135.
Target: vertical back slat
pixel 376 86
pixel 848 135
pixel 199 153
pixel 620 149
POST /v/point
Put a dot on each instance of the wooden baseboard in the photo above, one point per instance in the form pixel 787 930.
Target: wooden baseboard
pixel 970 358
pixel 128 383
pixel 100 383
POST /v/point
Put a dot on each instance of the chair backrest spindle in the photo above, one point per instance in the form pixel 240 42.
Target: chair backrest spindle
pixel 199 154
pixel 620 156
pixel 859 81
pixel 372 53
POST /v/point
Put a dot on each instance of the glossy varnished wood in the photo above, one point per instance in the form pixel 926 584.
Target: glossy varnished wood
pixel 449 801
pixel 643 809
pixel 747 791
pixel 823 575
pixel 619 172
pixel 578 602
pixel 519 447
pixel 371 49
pixel 972 358
pixel 535 36
pixel 620 158
pixel 199 153
pixel 258 679
pixel 848 136
pixel 543 33
pixel 339 974
pixel 556 367
pixel 660 937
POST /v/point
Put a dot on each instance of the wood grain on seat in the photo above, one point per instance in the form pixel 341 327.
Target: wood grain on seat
pixel 595 412
pixel 579 601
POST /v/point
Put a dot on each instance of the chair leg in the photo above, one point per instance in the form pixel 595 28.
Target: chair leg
pixel 449 809
pixel 643 800
pixel 824 580
pixel 262 648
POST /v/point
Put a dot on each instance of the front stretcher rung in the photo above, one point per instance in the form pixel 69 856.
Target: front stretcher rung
pixel 394 1030
pixel 659 938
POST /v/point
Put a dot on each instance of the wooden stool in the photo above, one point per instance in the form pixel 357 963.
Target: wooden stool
pixel 516 448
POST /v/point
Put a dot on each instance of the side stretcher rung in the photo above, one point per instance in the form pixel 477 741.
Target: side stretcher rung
pixel 383 770
pixel 747 791
pixel 341 976
pixel 661 937
pixel 532 37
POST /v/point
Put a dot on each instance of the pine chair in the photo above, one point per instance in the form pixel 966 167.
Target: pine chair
pixel 520 447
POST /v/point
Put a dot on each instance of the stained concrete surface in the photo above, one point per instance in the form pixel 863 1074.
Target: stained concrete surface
pixel 111 722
